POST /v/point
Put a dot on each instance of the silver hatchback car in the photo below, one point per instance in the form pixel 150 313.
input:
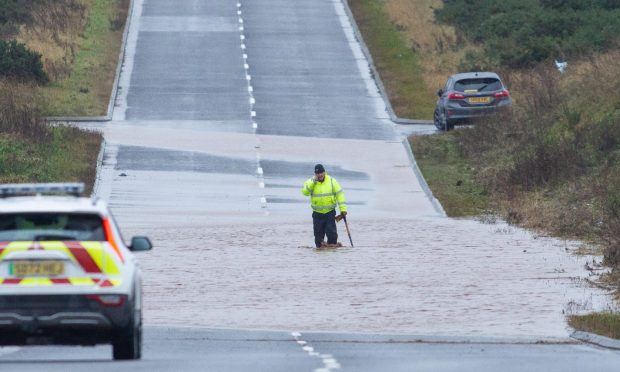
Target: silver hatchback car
pixel 469 95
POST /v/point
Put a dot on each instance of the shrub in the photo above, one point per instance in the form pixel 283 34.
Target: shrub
pixel 520 33
pixel 14 11
pixel 19 63
pixel 18 112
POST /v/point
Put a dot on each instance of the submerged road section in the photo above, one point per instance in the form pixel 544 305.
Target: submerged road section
pixel 224 107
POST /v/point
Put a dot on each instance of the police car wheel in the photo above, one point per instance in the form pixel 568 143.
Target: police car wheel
pixel 127 342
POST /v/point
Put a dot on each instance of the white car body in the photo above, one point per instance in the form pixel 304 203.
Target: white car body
pixel 57 289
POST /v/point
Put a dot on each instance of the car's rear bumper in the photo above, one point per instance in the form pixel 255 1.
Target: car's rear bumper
pixel 25 320
pixel 456 112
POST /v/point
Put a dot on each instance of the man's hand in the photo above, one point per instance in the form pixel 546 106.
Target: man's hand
pixel 315 179
pixel 343 214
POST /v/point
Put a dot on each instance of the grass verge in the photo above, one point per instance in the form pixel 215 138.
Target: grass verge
pixel 606 323
pixel 86 90
pixel 70 155
pixel 395 61
pixel 449 175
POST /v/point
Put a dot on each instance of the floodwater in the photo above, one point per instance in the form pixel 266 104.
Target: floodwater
pixel 418 276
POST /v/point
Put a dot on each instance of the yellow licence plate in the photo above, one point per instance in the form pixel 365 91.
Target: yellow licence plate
pixel 479 99
pixel 30 268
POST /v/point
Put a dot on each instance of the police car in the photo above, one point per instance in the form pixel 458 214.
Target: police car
pixel 66 275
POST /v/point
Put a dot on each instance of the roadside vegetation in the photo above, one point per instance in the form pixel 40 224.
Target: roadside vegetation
pixel 522 33
pixel 552 163
pixel 32 151
pixel 395 60
pixel 56 58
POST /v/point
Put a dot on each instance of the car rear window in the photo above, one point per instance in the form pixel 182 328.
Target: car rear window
pixel 478 85
pixel 50 227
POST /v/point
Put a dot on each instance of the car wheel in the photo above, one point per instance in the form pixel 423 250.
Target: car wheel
pixel 127 341
pixel 437 120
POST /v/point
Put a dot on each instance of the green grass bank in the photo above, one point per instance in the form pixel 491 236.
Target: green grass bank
pixel 79 43
pixel 86 90
pixel 395 61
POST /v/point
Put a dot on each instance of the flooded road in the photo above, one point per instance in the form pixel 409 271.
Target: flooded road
pixel 223 110
pixel 416 276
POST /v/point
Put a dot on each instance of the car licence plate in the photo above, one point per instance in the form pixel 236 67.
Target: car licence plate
pixel 479 99
pixel 33 268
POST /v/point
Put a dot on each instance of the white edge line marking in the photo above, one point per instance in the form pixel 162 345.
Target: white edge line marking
pixel 124 81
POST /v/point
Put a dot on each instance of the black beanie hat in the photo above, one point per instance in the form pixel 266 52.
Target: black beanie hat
pixel 319 168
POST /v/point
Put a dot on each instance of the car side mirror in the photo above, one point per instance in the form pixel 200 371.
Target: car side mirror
pixel 440 92
pixel 140 243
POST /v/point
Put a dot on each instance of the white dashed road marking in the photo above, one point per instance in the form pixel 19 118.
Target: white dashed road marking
pixel 252 101
pixel 329 362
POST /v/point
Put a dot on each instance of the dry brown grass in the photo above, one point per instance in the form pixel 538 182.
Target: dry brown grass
pixel 439 46
pixel 55 33
pixel 18 112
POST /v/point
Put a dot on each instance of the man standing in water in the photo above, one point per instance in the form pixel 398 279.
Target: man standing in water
pixel 325 193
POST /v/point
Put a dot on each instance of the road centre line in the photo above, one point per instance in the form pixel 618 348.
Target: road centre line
pixel 252 103
pixel 329 362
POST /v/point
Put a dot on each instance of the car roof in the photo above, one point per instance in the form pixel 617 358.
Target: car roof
pixel 61 204
pixel 471 75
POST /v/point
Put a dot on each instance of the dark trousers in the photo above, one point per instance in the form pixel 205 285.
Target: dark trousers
pixel 325 223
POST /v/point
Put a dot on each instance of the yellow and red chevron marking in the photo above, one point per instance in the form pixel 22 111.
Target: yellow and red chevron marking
pixel 60 281
pixel 93 257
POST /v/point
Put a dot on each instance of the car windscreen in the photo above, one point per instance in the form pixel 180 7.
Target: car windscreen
pixel 51 226
pixel 478 85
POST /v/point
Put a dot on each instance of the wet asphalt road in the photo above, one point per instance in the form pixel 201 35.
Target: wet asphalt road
pixel 176 349
pixel 223 109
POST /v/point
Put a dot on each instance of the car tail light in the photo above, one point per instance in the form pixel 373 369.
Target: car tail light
pixel 108 300
pixel 454 96
pixel 503 94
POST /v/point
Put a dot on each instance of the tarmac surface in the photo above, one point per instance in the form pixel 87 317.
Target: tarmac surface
pixel 175 349
pixel 223 109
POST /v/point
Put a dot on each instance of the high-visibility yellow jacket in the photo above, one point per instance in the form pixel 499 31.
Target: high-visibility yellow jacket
pixel 324 195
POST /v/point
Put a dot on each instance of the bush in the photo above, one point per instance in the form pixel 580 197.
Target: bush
pixel 14 11
pixel 520 33
pixel 18 113
pixel 19 63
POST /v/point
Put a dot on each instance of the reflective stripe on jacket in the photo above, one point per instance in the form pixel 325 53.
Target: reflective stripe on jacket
pixel 324 196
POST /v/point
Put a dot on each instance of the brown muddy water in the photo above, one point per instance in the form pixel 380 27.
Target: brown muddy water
pixel 432 276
